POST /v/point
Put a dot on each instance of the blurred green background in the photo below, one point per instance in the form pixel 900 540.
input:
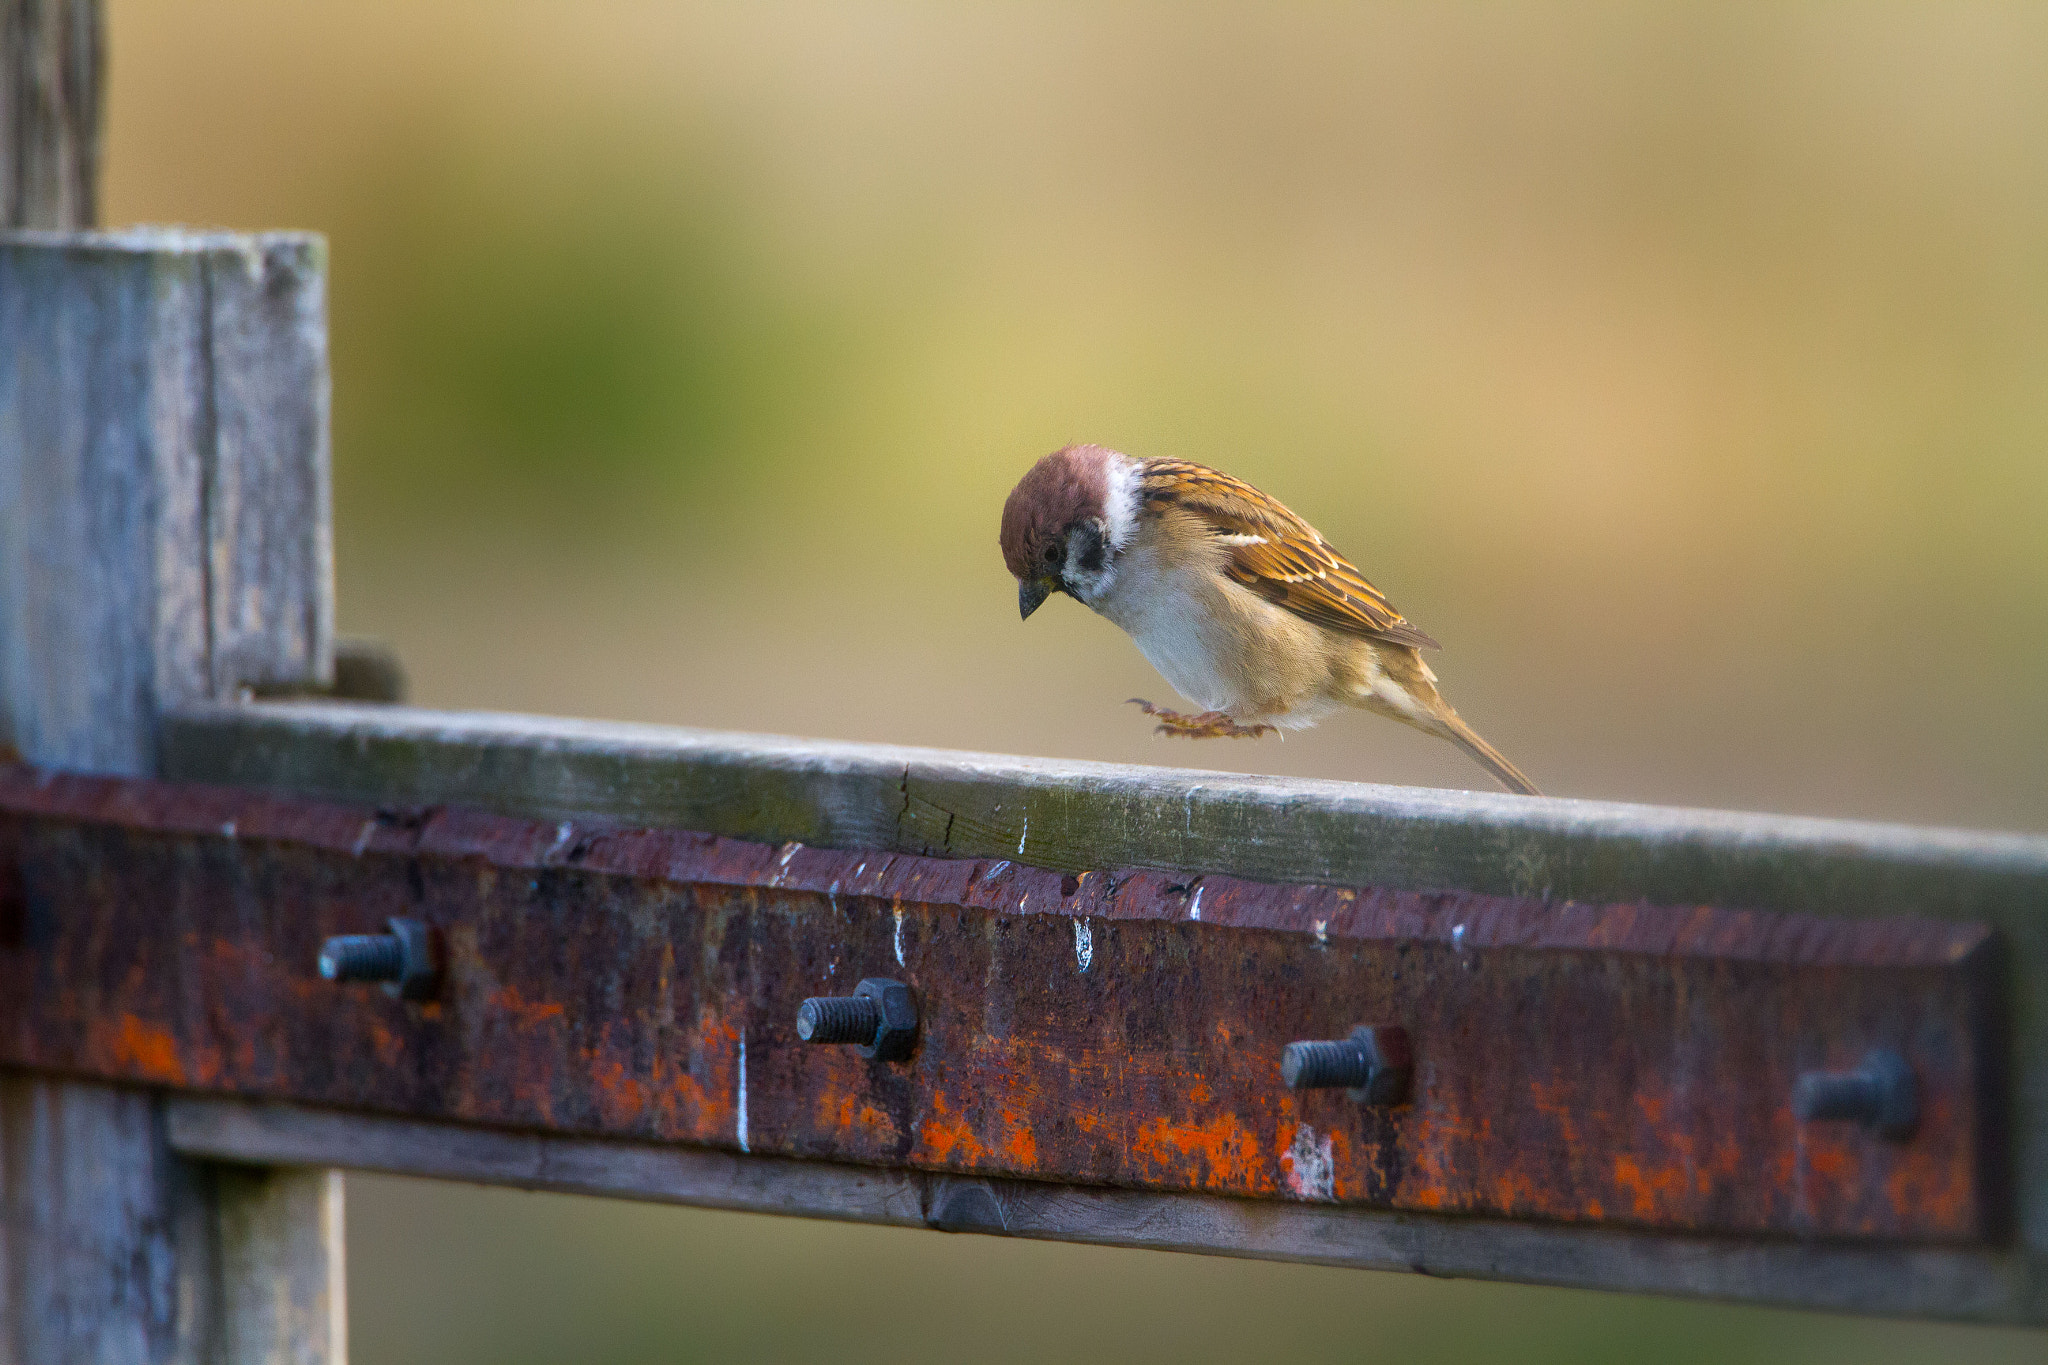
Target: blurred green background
pixel 1683 368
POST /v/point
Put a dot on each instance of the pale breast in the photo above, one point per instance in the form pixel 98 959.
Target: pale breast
pixel 1219 646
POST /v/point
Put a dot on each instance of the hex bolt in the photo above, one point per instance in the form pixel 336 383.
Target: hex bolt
pixel 1372 1066
pixel 838 1019
pixel 880 1017
pixel 362 957
pixel 402 959
pixel 1883 1095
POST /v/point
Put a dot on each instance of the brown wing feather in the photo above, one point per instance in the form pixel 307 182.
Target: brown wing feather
pixel 1278 555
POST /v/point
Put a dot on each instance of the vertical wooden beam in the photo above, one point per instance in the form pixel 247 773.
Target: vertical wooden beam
pixel 52 57
pixel 163 483
pixel 163 539
pixel 107 1246
pixel 281 1266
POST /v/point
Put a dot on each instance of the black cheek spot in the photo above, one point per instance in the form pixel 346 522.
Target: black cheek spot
pixel 1092 546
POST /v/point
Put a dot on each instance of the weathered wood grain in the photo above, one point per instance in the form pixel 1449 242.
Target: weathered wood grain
pixel 281 1255
pixel 1075 816
pixel 298 1135
pixel 163 477
pixel 163 539
pixel 52 63
pixel 107 1243
pixel 1928 1283
pixel 269 542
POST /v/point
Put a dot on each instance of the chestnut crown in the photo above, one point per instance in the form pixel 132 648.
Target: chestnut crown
pixel 1068 486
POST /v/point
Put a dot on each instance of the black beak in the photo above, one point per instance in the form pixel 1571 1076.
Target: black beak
pixel 1031 594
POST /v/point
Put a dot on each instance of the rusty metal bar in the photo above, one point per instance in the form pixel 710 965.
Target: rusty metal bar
pixel 1626 1064
pixel 1075 816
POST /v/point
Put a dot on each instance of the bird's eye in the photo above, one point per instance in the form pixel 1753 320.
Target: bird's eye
pixel 1052 554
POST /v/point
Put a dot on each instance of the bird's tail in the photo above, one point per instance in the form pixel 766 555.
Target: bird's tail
pixel 1488 757
pixel 1404 687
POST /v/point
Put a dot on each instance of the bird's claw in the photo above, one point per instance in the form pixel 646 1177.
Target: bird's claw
pixel 1207 725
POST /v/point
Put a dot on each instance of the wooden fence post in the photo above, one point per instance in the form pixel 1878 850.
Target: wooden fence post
pixel 163 538
pixel 52 55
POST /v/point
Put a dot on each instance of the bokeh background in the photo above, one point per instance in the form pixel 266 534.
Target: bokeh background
pixel 1683 368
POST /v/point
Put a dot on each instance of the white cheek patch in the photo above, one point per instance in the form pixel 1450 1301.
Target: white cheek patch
pixel 1120 508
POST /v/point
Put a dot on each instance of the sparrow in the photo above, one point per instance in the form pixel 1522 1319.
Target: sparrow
pixel 1239 603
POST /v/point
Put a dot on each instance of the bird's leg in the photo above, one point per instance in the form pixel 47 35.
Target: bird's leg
pixel 1207 725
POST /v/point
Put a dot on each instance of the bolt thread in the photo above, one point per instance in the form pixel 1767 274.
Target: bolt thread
pixel 1838 1095
pixel 838 1019
pixel 362 957
pixel 1323 1066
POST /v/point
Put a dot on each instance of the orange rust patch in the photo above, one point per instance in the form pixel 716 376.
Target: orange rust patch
pixel 1425 1197
pixel 389 1046
pixel 1228 1152
pixel 1826 1159
pixel 1019 1146
pixel 526 1013
pixel 852 1116
pixel 1939 1189
pixel 698 1113
pixel 879 1126
pixel 1647 1190
pixel 945 1133
pixel 619 1096
pixel 835 1111
pixel 147 1051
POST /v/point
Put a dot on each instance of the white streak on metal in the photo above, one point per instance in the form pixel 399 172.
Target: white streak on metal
pixel 228 829
pixel 1195 905
pixel 789 850
pixel 1025 835
pixel 741 1106
pixel 369 832
pixel 1311 1171
pixel 562 833
pixel 899 936
pixel 1084 944
pixel 996 870
pixel 1458 937
pixel 1322 931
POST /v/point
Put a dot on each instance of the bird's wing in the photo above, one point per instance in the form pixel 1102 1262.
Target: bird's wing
pixel 1276 554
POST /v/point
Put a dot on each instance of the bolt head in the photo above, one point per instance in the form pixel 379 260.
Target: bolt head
pixel 419 976
pixel 896 1039
pixel 1392 1060
pixel 1898 1093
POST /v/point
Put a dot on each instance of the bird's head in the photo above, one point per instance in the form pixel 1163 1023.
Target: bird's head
pixel 1065 523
